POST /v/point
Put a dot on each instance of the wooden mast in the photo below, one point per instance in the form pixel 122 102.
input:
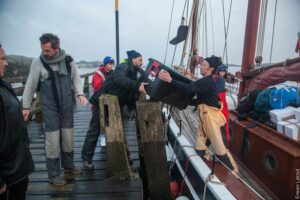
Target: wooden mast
pixel 249 41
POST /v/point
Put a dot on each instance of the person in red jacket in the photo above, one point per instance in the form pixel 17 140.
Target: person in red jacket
pixel 220 81
pixel 101 74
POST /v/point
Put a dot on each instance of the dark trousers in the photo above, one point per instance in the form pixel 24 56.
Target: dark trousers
pixel 16 192
pixel 91 137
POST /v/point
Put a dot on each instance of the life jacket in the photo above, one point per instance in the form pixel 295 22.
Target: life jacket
pixel 99 77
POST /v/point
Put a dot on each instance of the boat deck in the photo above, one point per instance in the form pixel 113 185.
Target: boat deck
pixel 189 123
pixel 89 185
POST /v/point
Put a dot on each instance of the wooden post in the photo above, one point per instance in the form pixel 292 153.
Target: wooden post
pixel 38 114
pixel 153 148
pixel 111 124
pixel 86 84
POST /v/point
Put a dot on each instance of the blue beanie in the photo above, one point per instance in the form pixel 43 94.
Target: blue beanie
pixel 222 68
pixel 133 54
pixel 107 60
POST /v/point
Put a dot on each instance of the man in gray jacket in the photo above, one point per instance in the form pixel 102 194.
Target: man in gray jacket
pixel 55 74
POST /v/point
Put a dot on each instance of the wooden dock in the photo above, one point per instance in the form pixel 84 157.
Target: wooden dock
pixel 89 185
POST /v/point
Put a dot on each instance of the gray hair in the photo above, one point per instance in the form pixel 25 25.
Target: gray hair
pixel 53 39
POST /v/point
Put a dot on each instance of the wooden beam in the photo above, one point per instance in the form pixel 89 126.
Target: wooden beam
pixel 86 75
pixel 286 63
pixel 37 104
pixel 116 147
pixel 153 148
pixel 86 84
pixel 249 41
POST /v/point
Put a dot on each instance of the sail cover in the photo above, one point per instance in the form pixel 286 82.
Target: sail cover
pixel 276 76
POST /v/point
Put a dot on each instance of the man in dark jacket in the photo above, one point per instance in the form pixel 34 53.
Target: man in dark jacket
pixel 126 82
pixel 15 158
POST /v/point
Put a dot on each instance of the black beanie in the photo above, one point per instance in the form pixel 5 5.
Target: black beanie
pixel 214 61
pixel 133 54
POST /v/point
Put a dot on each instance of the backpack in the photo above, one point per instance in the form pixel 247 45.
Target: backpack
pixel 262 105
pixel 246 105
pixel 281 98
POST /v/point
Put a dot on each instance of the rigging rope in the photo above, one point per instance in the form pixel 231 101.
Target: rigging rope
pixel 195 42
pixel 205 22
pixel 182 21
pixel 187 9
pixel 212 26
pixel 262 25
pixel 275 12
pixel 186 41
pixel 169 32
pixel 226 29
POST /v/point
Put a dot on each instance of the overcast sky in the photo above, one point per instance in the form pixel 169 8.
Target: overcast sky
pixel 87 27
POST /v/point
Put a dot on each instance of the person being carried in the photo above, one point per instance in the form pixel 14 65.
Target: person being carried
pixel 209 108
pixel 56 74
pixel 15 158
pixel 126 82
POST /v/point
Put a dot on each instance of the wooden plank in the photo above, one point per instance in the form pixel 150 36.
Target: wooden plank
pixel 91 184
pixel 102 196
pixel 153 148
pixel 76 144
pixel 80 138
pixel 41 158
pixel 85 187
pixel 78 150
pixel 100 174
pixel 97 165
pixel 111 123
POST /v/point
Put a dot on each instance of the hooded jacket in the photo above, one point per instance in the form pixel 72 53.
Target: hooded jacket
pixel 15 158
pixel 123 83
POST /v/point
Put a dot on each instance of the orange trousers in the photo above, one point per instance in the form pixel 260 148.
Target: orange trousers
pixel 211 120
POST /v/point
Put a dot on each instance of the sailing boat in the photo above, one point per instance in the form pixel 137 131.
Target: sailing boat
pixel 270 160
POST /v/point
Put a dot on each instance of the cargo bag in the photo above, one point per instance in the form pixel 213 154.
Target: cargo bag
pixel 281 98
pixel 165 92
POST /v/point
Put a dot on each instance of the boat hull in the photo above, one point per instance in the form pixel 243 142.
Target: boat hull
pixel 270 158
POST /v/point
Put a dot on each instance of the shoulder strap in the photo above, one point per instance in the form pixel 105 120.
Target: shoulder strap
pixel 101 75
pixel 68 60
pixel 54 89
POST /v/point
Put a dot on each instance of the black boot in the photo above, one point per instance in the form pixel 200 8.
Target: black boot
pixel 225 159
pixel 201 153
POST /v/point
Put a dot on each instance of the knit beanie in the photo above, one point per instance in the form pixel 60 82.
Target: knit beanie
pixel 107 60
pixel 133 54
pixel 214 61
pixel 222 68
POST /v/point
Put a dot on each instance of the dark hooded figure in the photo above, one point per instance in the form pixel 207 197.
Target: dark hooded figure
pixel 15 158
pixel 126 82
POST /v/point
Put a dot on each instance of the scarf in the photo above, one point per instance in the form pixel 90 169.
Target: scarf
pixel 58 58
